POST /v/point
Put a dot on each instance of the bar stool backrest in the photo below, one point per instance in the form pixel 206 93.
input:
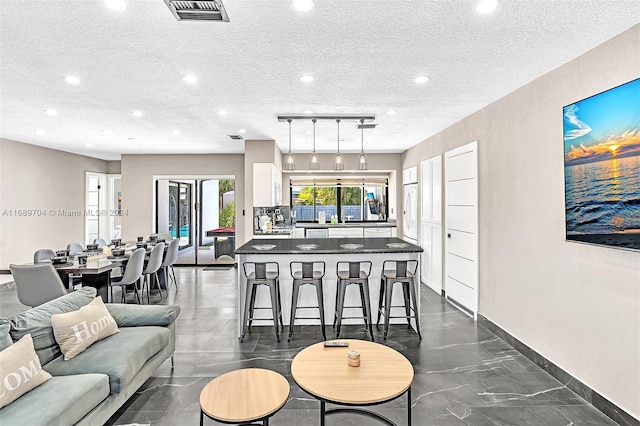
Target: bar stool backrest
pixel 261 271
pixel 354 269
pixel 307 269
pixel 401 269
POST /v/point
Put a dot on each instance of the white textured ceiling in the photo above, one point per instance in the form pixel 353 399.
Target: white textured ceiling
pixel 364 55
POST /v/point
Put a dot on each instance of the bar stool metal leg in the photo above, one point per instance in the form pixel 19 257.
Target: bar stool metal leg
pixel 320 293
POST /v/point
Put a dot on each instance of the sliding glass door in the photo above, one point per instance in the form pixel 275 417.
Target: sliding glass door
pixel 179 215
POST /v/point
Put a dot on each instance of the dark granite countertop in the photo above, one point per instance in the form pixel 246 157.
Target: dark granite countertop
pixel 327 246
pixel 389 224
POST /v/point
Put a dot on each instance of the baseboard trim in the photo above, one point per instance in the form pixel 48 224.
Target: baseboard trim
pixel 594 398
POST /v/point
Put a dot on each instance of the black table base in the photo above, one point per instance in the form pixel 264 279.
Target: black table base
pixel 264 420
pixel 324 412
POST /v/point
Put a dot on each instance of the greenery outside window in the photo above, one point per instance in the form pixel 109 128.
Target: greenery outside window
pixel 351 200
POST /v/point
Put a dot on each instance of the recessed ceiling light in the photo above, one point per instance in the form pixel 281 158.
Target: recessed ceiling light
pixel 223 112
pixel 422 79
pixel 88 145
pixel 191 79
pixel 302 5
pixel 136 113
pixel 308 112
pixel 39 132
pixel 50 112
pixel 72 79
pixel 175 132
pixel 307 78
pixel 117 5
pixel 392 112
pixel 242 131
pixel 486 6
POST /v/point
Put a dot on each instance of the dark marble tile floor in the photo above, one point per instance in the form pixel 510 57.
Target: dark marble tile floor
pixel 464 374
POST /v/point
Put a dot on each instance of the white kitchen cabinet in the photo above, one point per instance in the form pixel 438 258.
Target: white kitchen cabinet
pixel 267 185
pixel 297 233
pixel 378 232
pixel 410 175
pixel 345 233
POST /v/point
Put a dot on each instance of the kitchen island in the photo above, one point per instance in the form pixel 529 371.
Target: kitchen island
pixel 331 251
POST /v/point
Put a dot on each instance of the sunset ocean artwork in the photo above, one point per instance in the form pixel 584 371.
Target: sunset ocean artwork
pixel 602 168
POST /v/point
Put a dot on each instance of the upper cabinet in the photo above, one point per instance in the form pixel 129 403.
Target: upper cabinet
pixel 267 185
pixel 410 175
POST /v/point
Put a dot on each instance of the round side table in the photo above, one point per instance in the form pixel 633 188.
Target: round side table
pixel 244 396
pixel 383 375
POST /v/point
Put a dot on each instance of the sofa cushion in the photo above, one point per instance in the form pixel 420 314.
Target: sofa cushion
pixel 137 315
pixel 67 400
pixel 76 331
pixel 20 371
pixel 119 356
pixel 37 321
pixel 5 337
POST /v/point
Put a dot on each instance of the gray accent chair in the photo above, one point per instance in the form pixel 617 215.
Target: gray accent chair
pixel 131 275
pixel 170 258
pixel 42 255
pixel 152 268
pixel 37 284
pixel 100 242
pixel 74 248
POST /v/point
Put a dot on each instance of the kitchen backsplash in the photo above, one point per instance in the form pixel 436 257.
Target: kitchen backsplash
pixel 279 215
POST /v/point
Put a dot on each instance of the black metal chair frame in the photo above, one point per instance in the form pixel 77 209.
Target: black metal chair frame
pixel 261 278
pixel 307 277
pixel 405 275
pixel 354 276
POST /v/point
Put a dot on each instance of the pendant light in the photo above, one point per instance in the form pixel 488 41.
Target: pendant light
pixel 362 164
pixel 338 165
pixel 289 163
pixel 314 163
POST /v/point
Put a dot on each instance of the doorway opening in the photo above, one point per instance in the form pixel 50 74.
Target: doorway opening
pixel 201 212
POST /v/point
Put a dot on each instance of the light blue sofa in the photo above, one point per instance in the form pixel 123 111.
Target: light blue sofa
pixel 89 389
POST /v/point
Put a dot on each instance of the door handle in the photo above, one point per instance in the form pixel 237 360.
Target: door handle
pixel 448 235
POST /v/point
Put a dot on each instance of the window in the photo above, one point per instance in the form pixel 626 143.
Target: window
pixel 353 200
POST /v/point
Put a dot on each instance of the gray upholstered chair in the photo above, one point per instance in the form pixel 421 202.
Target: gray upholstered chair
pixel 100 242
pixel 152 268
pixel 37 284
pixel 131 275
pixel 74 248
pixel 169 259
pixel 42 255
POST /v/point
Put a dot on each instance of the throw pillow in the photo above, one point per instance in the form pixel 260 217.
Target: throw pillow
pixel 20 370
pixel 76 331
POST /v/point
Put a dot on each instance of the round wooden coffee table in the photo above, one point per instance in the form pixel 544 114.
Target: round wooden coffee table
pixel 383 375
pixel 244 396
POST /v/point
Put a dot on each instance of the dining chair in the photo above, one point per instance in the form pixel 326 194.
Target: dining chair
pixel 74 248
pixel 131 275
pixel 42 255
pixel 152 268
pixel 37 284
pixel 170 258
pixel 100 242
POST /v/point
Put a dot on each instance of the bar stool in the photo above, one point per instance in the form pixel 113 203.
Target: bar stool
pixel 403 272
pixel 356 273
pixel 259 275
pixel 310 273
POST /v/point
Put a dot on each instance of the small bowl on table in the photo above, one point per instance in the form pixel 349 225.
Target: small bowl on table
pixel 92 247
pixel 117 252
pixel 59 260
pixel 62 253
pixel 141 245
pixel 116 242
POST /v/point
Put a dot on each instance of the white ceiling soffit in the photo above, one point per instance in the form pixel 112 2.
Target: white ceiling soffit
pixel 149 84
pixel 203 10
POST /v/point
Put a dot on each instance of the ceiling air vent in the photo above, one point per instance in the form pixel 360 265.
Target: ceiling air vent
pixel 236 137
pixel 202 10
pixel 366 126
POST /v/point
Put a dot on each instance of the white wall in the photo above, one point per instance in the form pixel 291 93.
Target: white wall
pixel 163 206
pixel 577 305
pixel 138 172
pixel 32 177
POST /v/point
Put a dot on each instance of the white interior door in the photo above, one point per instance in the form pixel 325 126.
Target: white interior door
pixel 431 222
pixel 461 195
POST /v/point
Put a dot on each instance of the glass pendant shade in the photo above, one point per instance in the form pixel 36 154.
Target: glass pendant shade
pixel 289 164
pixel 314 163
pixel 362 164
pixel 338 165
